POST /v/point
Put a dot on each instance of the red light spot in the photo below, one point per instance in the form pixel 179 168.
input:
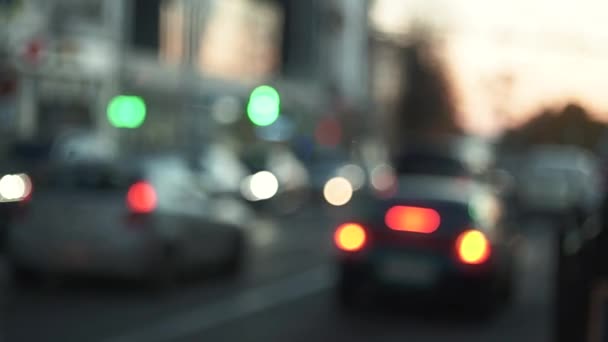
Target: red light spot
pixel 350 237
pixel 412 219
pixel 328 132
pixel 141 198
pixel 473 247
pixel 33 51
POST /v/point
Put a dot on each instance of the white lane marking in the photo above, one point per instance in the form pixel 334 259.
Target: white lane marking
pixel 246 303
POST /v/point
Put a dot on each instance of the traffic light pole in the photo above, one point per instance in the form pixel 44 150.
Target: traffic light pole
pixel 114 18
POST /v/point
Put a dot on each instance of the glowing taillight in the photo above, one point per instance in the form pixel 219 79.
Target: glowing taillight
pixel 141 198
pixel 412 219
pixel 350 237
pixel 473 247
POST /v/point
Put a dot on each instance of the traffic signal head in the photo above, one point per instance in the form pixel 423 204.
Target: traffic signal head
pixel 264 106
pixel 126 111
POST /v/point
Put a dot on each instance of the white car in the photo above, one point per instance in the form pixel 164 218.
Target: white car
pixel 558 178
pixel 145 219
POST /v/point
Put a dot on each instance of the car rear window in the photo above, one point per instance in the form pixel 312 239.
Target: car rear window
pixel 431 165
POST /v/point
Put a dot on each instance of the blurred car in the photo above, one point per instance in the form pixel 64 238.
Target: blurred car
pixel 451 156
pixel 144 219
pixel 458 157
pixel 435 235
pixel 559 179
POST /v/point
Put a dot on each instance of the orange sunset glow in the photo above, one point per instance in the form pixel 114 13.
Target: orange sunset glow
pixel 509 58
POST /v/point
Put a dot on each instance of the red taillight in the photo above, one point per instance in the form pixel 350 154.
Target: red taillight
pixel 412 219
pixel 473 247
pixel 141 198
pixel 350 237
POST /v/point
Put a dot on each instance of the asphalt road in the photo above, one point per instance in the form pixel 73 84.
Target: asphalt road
pixel 285 294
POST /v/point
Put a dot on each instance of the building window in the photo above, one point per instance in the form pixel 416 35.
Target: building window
pixel 241 40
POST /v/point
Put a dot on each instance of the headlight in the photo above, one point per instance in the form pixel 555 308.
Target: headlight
pixel 260 186
pixel 338 191
pixel 14 188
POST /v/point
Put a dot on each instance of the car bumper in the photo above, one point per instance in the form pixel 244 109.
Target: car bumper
pixel 121 259
pixel 445 278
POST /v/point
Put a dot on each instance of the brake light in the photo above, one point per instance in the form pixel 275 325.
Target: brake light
pixel 412 219
pixel 350 237
pixel 141 198
pixel 473 247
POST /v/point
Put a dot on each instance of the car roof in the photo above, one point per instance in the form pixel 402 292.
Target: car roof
pixel 562 157
pixel 437 188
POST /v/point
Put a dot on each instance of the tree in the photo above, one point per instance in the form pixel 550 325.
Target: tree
pixel 427 104
pixel 572 126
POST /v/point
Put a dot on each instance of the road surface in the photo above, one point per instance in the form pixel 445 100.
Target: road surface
pixel 284 294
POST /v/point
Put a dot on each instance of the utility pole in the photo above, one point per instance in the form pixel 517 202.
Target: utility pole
pixel 116 33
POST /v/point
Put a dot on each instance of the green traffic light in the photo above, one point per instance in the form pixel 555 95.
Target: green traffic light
pixel 264 106
pixel 126 111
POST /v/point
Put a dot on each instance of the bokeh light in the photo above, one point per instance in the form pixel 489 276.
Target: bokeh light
pixel 264 106
pixel 354 174
pixel 14 187
pixel 246 189
pixel 350 237
pixel 412 219
pixel 328 132
pixel 338 191
pixel 383 178
pixel 473 247
pixel 263 185
pixel 142 198
pixel 127 111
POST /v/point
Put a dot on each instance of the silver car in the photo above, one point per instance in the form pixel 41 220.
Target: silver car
pixel 558 178
pixel 147 219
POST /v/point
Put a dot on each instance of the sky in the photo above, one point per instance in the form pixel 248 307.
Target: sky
pixel 509 58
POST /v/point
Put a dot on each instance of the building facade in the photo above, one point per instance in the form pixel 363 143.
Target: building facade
pixel 71 57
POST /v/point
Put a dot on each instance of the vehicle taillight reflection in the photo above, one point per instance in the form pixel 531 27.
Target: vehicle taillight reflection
pixel 350 237
pixel 141 198
pixel 473 247
pixel 412 219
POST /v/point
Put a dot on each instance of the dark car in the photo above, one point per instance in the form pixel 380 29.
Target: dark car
pixel 459 157
pixel 556 180
pixel 436 235
pixel 144 219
